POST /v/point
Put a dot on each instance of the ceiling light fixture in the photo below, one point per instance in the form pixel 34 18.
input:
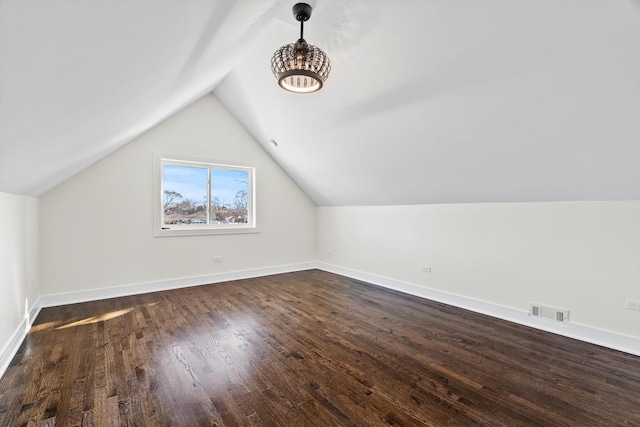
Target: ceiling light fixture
pixel 300 67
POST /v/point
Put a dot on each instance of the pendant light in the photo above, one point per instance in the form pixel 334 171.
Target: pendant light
pixel 300 67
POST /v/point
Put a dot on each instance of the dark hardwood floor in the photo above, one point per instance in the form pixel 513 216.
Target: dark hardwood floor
pixel 306 349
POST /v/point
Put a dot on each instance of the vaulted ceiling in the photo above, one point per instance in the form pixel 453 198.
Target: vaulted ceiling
pixel 428 101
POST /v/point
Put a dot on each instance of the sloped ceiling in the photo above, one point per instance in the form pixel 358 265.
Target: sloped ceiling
pixel 428 101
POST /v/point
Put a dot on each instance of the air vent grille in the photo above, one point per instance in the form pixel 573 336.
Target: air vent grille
pixel 551 313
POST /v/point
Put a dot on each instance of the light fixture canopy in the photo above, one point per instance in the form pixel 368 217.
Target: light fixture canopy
pixel 300 67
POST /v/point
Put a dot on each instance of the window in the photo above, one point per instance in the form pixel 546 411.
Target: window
pixel 196 196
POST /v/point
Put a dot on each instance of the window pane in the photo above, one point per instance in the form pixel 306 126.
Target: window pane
pixel 201 197
pixel 185 195
pixel 229 196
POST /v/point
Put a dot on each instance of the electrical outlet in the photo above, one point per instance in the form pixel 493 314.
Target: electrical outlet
pixel 426 269
pixel 217 259
pixel 633 305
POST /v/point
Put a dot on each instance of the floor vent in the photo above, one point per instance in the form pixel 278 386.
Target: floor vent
pixel 537 310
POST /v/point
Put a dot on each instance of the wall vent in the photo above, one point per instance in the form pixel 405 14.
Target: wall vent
pixel 551 313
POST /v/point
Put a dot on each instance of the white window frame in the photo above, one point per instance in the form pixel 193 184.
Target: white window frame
pixel 162 230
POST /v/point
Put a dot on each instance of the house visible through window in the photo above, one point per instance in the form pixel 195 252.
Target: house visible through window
pixel 205 197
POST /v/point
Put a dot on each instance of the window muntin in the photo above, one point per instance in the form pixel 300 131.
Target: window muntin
pixel 205 197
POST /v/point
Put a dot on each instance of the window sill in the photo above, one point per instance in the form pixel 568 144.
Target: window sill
pixel 203 231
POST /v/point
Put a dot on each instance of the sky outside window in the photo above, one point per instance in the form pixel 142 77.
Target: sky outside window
pixel 226 183
pixel 191 182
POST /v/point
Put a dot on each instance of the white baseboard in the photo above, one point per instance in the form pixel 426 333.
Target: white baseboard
pixel 12 346
pixel 585 333
pixel 18 336
pixel 53 300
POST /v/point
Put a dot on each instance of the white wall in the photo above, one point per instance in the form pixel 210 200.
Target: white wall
pixel 96 232
pixel 19 270
pixel 581 256
pixel 97 228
